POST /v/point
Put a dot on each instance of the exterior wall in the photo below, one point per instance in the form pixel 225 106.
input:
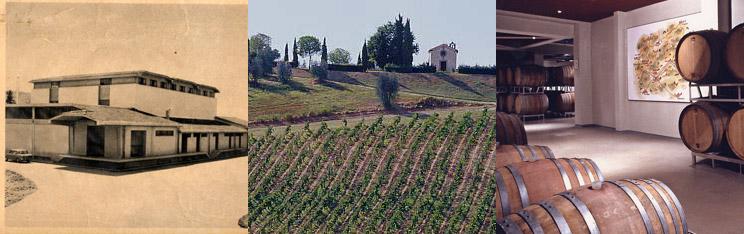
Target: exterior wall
pixel 450 57
pixel 163 145
pixel 112 144
pixel 79 138
pixel 49 139
pixel 157 101
pixel 154 145
pixel 40 95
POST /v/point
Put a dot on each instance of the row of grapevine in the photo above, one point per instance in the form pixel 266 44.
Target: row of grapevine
pixel 425 175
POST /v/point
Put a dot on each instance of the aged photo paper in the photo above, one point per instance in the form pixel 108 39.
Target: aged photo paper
pixel 132 116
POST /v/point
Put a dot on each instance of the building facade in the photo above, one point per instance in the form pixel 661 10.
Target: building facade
pixel 444 57
pixel 121 116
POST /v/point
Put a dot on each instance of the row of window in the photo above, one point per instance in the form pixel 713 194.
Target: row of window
pixel 171 86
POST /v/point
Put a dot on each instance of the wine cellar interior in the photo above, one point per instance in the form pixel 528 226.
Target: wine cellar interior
pixel 620 116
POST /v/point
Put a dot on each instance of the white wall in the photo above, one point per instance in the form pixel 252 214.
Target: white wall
pixel 737 12
pixel 609 69
pixel 157 100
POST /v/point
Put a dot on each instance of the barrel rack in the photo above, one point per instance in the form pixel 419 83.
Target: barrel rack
pixel 711 98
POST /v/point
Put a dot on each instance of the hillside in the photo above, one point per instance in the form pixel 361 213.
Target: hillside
pixel 450 85
pixel 426 175
pixel 277 101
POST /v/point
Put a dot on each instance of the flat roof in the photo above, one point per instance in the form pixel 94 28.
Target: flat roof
pixel 104 115
pixel 200 128
pixel 140 73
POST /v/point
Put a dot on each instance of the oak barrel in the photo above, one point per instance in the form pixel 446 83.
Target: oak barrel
pixel 702 127
pixel 735 52
pixel 510 130
pixel 531 104
pixel 508 154
pixel 559 101
pixel 735 133
pixel 699 57
pixel 510 99
pixel 625 206
pixel 501 102
pixel 561 75
pixel 521 184
pixel 530 75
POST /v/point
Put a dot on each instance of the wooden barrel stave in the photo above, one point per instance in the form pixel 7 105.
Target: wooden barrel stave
pixel 702 127
pixel 626 206
pixel 734 49
pixel 735 133
pixel 531 104
pixel 508 154
pixel 521 184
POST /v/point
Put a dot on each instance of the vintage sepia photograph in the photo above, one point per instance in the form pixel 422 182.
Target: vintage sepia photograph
pixel 371 116
pixel 126 115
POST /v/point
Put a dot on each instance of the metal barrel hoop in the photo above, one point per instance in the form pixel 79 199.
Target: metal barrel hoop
pixel 564 176
pixel 668 203
pixel 588 171
pixel 557 217
pixel 534 153
pixel 583 210
pixel 531 222
pixel 654 204
pixel 638 204
pixel 676 203
pixel 509 226
pixel 503 194
pixel 576 171
pixel 520 185
pixel 521 152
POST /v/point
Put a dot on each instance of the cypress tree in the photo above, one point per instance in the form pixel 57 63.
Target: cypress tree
pixel 365 56
pixel 408 47
pixel 359 59
pixel 324 53
pixel 295 59
pixel 286 52
pixel 396 49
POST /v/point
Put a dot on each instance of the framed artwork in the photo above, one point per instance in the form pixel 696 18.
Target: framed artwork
pixel 652 72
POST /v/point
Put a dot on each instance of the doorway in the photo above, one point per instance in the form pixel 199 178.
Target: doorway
pixel 139 139
pixel 185 142
pixel 443 66
pixel 95 141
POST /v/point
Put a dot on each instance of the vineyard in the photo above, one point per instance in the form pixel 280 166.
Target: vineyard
pixel 425 175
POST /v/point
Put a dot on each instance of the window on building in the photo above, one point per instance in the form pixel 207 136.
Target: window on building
pixel 141 81
pixel 181 88
pixel 443 53
pixel 18 112
pixel 104 91
pixel 154 83
pixel 164 133
pixel 205 93
pixel 173 86
pixel 50 112
pixel 54 93
pixel 191 90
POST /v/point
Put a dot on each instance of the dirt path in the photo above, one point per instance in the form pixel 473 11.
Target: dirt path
pixel 204 195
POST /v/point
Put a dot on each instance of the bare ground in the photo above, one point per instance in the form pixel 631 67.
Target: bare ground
pixel 17 187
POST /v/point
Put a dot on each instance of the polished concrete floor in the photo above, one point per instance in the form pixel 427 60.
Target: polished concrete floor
pixel 713 198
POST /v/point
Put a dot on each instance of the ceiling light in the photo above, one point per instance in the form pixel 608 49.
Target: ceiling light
pixel 560 11
pixel 533 38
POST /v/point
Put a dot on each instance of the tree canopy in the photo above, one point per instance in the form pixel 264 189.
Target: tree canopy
pixel 339 56
pixel 393 43
pixel 307 46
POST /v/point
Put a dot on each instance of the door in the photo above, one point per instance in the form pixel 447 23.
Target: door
pixel 443 66
pixel 95 141
pixel 216 141
pixel 185 142
pixel 198 142
pixel 139 138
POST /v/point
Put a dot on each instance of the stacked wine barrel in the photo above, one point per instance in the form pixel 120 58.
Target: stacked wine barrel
pixel 713 58
pixel 561 76
pixel 526 75
pixel 535 192
pixel 560 101
pixel 510 129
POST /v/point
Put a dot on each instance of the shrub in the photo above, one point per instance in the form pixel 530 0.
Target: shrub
pixel 413 69
pixel 483 70
pixel 284 72
pixel 346 67
pixel 294 64
pixel 320 72
pixel 387 91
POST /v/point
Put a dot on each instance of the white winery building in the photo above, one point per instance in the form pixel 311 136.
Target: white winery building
pixel 444 57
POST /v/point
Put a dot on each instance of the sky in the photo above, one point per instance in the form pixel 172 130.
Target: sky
pixel 203 43
pixel 346 24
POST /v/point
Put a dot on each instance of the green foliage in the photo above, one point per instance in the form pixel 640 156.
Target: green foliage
pixel 393 43
pixel 365 56
pixel 324 53
pixel 9 98
pixel 295 60
pixel 320 72
pixel 308 46
pixel 485 70
pixel 387 91
pixel 284 72
pixel 261 56
pixel 286 52
pixel 339 56
pixel 416 69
